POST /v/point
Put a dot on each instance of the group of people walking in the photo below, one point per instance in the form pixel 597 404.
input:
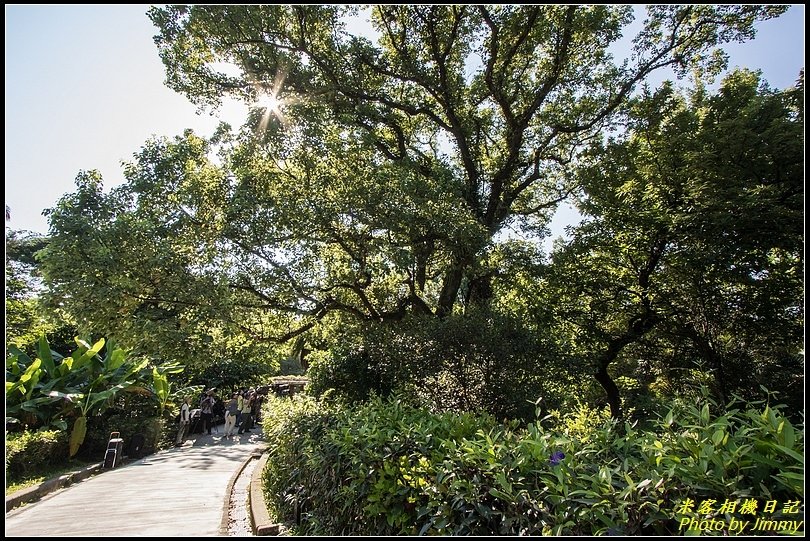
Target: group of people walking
pixel 243 411
pixel 240 412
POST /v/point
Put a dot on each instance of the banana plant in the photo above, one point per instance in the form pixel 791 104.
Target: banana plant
pixel 161 386
pixel 53 389
pixel 112 375
pixel 26 382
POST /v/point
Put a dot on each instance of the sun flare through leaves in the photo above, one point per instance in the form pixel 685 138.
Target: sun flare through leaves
pixel 271 101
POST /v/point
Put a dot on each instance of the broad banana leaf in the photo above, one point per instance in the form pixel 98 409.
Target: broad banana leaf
pixel 115 359
pixel 77 435
pixel 44 352
pixel 98 397
pixel 80 358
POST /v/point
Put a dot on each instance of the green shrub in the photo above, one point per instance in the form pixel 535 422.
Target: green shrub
pixel 580 424
pixel 28 452
pixel 483 361
pixel 385 468
pixel 350 371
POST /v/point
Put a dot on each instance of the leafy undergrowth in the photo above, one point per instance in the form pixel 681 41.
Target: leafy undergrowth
pixel 385 468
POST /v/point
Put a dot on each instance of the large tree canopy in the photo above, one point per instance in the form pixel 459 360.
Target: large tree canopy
pixel 380 188
pixel 401 160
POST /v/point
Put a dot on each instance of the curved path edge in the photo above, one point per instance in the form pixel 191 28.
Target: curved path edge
pixel 259 517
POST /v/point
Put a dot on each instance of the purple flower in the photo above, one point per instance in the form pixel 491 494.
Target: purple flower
pixel 556 457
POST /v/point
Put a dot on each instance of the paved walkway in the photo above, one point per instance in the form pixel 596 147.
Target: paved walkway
pixel 178 492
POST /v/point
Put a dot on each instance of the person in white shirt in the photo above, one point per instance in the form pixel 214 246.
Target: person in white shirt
pixel 247 406
pixel 185 420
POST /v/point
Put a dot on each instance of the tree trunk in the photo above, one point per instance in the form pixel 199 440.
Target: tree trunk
pixel 480 292
pixel 450 287
pixel 607 383
pixel 422 252
pixel 637 327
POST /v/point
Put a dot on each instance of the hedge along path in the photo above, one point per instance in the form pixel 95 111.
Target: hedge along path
pixel 177 492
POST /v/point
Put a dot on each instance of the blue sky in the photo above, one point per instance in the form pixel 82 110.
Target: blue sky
pixel 84 90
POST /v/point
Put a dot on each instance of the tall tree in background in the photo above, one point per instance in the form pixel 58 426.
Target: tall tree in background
pixel 26 317
pixel 136 265
pixel 23 322
pixel 694 239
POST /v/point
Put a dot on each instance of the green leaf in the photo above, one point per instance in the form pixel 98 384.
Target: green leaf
pixel 44 352
pixel 95 398
pixel 788 434
pixel 704 414
pixel 115 359
pixel 790 452
pixel 629 481
pixel 30 371
pixel 77 435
